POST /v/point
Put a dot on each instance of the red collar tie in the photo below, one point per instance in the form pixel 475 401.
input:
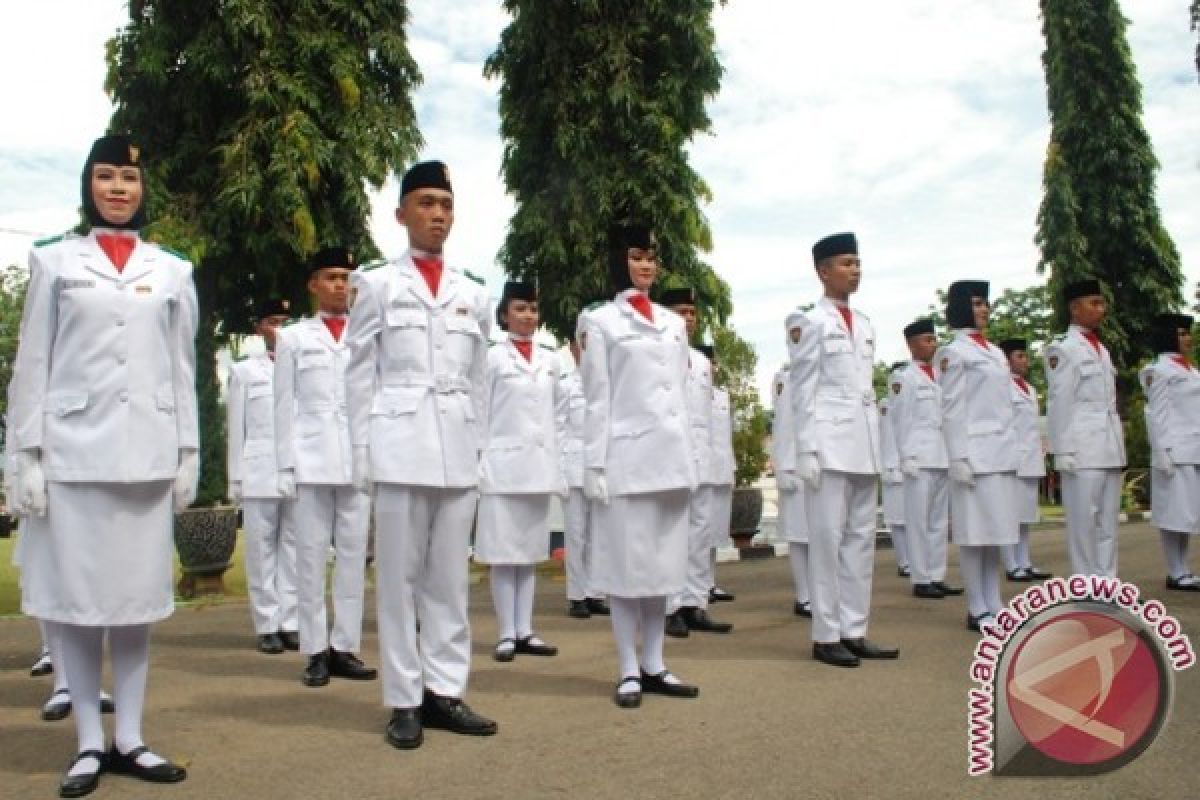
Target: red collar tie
pixel 979 339
pixel 847 316
pixel 118 248
pixel 431 270
pixel 1183 361
pixel 1022 383
pixel 928 370
pixel 1093 339
pixel 641 304
pixel 336 326
pixel 524 348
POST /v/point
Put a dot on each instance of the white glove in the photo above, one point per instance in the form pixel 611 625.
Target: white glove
pixel 787 481
pixel 12 488
pixel 361 469
pixel 186 478
pixel 286 484
pixel 892 476
pixel 595 487
pixel 1168 463
pixel 910 468
pixel 1066 463
pixel 31 483
pixel 960 472
pixel 235 492
pixel 808 469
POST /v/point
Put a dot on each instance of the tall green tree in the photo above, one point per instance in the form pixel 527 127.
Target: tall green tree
pixel 13 280
pixel 735 365
pixel 598 102
pixel 1099 216
pixel 263 122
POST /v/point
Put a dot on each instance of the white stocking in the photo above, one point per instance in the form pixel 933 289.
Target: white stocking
pixel 626 617
pixel 526 583
pixel 503 579
pixel 82 647
pixel 130 647
pixel 1174 547
pixel 653 610
pixel 971 564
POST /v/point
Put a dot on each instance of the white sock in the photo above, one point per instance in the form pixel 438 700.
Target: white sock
pixel 653 609
pixel 503 579
pixel 798 556
pixel 991 579
pixel 899 544
pixel 526 581
pixel 82 648
pixel 52 644
pixel 971 565
pixel 626 618
pixel 130 647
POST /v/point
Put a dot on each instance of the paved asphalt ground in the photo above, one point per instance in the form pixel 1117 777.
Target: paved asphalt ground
pixel 769 721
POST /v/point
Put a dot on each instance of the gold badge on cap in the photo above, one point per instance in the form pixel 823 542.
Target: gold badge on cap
pixel 134 152
pixel 285 305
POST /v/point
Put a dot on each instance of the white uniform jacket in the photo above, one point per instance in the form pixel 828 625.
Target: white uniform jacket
pixel 520 443
pixel 1172 410
pixel 569 415
pixel 1026 412
pixel 1081 405
pixel 783 436
pixel 312 436
pixel 917 418
pixel 699 402
pixel 720 465
pixel 250 412
pixel 831 388
pixel 636 427
pixel 104 381
pixel 415 385
pixel 977 409
pixel 889 459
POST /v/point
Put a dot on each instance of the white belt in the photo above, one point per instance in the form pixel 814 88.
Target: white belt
pixel 441 384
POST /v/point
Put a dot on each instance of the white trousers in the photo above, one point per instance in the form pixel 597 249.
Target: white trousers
pixel 325 514
pixel 1092 501
pixel 699 552
pixel 841 549
pixel 798 556
pixel 980 568
pixel 1016 556
pixel 900 544
pixel 421 539
pixel 269 537
pixel 926 521
pixel 578 545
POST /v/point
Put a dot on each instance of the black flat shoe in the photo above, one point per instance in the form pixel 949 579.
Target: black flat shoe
pixel 83 783
pixel 1184 583
pixel 317 671
pixel 126 764
pixel 697 619
pixel 290 640
pixel 947 590
pixel 107 706
pixel 452 714
pixel 43 666
pixel 404 729
pixel 975 622
pixel 866 649
pixel 903 572
pixel 676 626
pixel 349 666
pixel 270 643
pixel 627 699
pixel 802 609
pixel 578 609
pixel 506 650
pixel 597 606
pixel 834 654
pixel 1019 575
pixel 718 595
pixel 927 591
pixel 1038 574
pixel 533 646
pixel 658 684
pixel 58 706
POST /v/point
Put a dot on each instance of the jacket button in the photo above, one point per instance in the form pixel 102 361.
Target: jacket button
pixel 120 323
pixel 124 397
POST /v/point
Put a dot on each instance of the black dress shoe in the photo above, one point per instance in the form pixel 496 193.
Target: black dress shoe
pixel 533 646
pixel 658 684
pixel 975 622
pixel 835 654
pixel 865 648
pixel 404 729
pixel 506 650
pixel 718 595
pixel 58 706
pixel 697 619
pixel 597 606
pixel 452 714
pixel 317 671
pixel 126 764
pixel 83 783
pixel 948 591
pixel 43 666
pixel 579 610
pixel 903 572
pixel 1184 583
pixel 628 699
pixel 290 640
pixel 1019 575
pixel 348 665
pixel 927 591
pixel 676 626
pixel 802 609
pixel 270 643
pixel 1038 574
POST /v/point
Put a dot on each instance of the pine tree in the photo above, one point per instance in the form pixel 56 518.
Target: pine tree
pixel 598 102
pixel 262 123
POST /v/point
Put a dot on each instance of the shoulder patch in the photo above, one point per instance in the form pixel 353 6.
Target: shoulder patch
pixel 170 250
pixel 896 387
pixel 241 358
pixel 370 265
pixel 293 321
pixel 51 240
pixel 474 277
pixel 594 305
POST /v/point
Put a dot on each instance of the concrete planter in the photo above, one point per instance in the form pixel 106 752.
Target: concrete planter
pixel 746 518
pixel 205 539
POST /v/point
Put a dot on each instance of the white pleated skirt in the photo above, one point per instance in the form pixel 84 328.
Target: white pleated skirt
pixel 793 521
pixel 1175 501
pixel 641 544
pixel 986 513
pixel 1027 501
pixel 102 555
pixel 513 529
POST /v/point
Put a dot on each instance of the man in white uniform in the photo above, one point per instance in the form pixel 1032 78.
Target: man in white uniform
pixel 892 478
pixel 793 522
pixel 832 353
pixel 1086 437
pixel 722 469
pixel 415 388
pixel 1018 564
pixel 269 538
pixel 312 443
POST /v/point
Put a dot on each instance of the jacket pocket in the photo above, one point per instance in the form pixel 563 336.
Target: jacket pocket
pixel 632 428
pixel 392 402
pixel 983 428
pixel 164 399
pixel 64 403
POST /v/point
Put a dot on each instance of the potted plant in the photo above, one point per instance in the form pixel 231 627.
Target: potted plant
pixel 736 361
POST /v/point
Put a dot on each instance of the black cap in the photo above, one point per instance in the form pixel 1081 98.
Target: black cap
pixel 621 238
pixel 839 244
pixel 271 307
pixel 426 175
pixel 120 151
pixel 678 296
pixel 340 257
pixel 1084 288
pixel 1010 346
pixel 918 328
pixel 959 312
pixel 1164 331
pixel 514 290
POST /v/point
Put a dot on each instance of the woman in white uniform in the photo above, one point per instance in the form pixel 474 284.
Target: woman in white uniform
pixel 104 415
pixel 519 471
pixel 1172 386
pixel 638 465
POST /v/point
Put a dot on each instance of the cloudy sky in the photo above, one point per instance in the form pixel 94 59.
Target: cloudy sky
pixel 920 124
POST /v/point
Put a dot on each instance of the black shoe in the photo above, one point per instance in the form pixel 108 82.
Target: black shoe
pixel 452 714
pixel 404 729
pixel 718 595
pixel 975 622
pixel 290 640
pixel 802 609
pixel 676 626
pixel 835 654
pixel 317 671
pixel 107 706
pixel 348 665
pixel 533 646
pixel 1038 574
pixel 697 619
pixel 658 684
pixel 1184 583
pixel 506 650
pixel 43 666
pixel 903 572
pixel 126 764
pixel 1019 575
pixel 948 591
pixel 270 643
pixel 597 606
pixel 84 783
pixel 927 591
pixel 866 649
pixel 58 706
pixel 579 610
pixel 628 699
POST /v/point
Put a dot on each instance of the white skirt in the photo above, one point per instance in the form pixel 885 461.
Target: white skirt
pixel 513 529
pixel 893 503
pixel 102 555
pixel 1175 501
pixel 986 513
pixel 1028 512
pixel 793 521
pixel 641 544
